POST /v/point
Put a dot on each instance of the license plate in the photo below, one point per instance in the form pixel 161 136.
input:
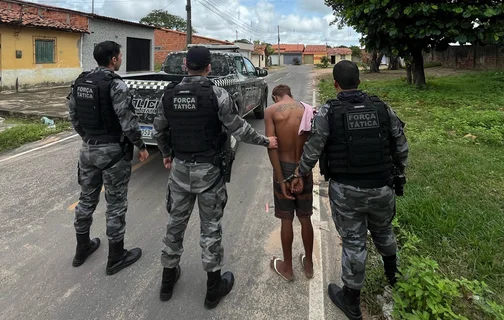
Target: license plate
pixel 146 131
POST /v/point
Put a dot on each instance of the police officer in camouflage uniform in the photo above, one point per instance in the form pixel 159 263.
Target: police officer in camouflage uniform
pixel 363 142
pixel 190 124
pixel 102 114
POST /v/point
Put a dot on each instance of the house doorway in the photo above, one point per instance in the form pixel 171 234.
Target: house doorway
pixel 138 54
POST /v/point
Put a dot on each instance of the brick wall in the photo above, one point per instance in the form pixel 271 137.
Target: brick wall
pixel 167 41
pixel 469 57
pixel 71 18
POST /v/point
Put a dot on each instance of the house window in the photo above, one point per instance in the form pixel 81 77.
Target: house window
pixel 45 50
pixel 342 57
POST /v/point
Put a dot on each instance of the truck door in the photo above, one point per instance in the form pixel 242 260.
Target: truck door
pixel 255 90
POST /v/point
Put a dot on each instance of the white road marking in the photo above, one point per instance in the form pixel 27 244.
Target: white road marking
pixel 38 148
pixel 278 79
pixel 316 306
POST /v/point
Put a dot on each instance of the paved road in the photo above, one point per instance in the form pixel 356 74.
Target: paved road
pixel 38 189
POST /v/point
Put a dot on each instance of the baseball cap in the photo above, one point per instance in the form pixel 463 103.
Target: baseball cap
pixel 198 58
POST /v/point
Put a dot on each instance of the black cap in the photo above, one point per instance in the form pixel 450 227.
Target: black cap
pixel 198 58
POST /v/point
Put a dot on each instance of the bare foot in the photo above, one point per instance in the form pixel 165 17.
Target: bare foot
pixel 307 266
pixel 282 269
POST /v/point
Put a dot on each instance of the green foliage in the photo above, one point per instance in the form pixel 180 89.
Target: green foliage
pixel 405 28
pixel 243 41
pixel 454 197
pixel 162 19
pixel 324 61
pixel 27 131
pixel 422 292
pixel 356 51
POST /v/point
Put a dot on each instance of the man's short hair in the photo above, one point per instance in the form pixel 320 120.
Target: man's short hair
pixel 346 74
pixel 281 90
pixel 104 52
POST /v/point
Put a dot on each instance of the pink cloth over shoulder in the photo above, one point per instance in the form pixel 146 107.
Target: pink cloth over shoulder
pixel 307 118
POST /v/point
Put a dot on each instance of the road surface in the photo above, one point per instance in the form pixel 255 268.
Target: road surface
pixel 38 191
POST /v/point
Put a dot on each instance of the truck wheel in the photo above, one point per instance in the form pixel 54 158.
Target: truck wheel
pixel 259 112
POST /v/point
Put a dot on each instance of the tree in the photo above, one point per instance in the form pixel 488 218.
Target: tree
pixel 376 59
pixel 163 19
pixel 268 51
pixel 407 29
pixel 356 51
pixel 342 46
pixel 243 41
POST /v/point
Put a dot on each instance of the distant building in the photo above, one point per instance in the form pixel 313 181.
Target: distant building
pixel 338 54
pixel 312 54
pixel 46 45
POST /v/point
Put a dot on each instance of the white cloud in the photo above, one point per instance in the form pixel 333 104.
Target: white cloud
pixel 222 18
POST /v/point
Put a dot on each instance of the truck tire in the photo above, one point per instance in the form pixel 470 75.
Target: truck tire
pixel 259 111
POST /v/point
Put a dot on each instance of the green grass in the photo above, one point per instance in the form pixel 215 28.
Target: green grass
pixel 26 131
pixel 454 197
pixel 157 66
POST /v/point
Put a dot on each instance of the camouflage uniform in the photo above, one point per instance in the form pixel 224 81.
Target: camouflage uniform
pixel 188 179
pixel 355 210
pixel 92 160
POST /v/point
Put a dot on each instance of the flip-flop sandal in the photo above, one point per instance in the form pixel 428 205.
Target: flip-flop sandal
pixel 276 270
pixel 301 258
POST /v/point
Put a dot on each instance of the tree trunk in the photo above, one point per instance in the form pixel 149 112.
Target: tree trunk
pixel 409 76
pixel 418 68
pixel 376 61
pixel 394 63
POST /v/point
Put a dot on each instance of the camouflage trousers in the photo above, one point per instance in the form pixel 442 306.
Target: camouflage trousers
pixel 354 211
pixel 186 181
pixel 91 178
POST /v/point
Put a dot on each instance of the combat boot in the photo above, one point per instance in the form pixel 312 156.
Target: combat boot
pixel 390 266
pixel 170 277
pixel 218 287
pixel 84 248
pixel 120 258
pixel 348 300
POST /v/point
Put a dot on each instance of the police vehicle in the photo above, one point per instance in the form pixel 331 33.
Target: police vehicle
pixel 230 70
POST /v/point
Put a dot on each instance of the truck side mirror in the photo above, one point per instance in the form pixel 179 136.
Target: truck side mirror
pixel 262 72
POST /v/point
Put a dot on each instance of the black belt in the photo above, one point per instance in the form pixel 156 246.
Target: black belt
pixel 197 158
pixel 98 142
pixel 365 183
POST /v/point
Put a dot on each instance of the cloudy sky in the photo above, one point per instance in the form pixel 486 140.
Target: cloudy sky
pixel 300 21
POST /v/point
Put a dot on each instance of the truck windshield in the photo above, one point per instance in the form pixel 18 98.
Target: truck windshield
pixel 174 64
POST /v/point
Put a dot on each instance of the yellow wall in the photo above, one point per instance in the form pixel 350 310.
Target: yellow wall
pixel 67 56
pixel 317 57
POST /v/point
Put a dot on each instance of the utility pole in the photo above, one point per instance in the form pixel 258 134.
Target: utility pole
pixel 278 45
pixel 92 6
pixel 236 34
pixel 189 26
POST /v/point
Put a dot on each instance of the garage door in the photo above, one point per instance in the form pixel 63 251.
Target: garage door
pixel 138 54
pixel 308 59
pixel 274 60
pixel 289 58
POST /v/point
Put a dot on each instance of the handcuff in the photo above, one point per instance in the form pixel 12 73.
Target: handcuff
pixel 289 178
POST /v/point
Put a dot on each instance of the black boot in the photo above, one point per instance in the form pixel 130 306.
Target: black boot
pixel 218 287
pixel 170 277
pixel 85 247
pixel 119 258
pixel 390 266
pixel 348 300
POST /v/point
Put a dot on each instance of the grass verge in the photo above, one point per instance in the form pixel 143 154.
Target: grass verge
pixel 25 131
pixel 450 223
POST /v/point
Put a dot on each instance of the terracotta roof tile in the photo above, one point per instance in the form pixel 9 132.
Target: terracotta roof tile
pixel 311 49
pixel 335 51
pixel 18 17
pixel 289 48
pixel 259 49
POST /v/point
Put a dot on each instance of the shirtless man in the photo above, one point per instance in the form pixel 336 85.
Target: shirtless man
pixel 282 120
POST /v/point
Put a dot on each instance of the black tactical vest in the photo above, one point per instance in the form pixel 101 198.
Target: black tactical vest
pixel 95 111
pixel 359 142
pixel 191 111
